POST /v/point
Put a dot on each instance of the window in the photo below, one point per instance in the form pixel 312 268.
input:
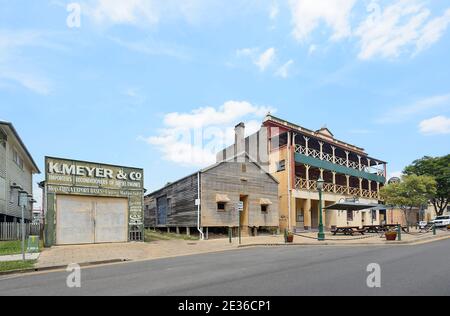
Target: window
pixel 221 206
pixel 279 141
pixel 3 139
pixel 244 168
pixel 349 216
pixel 374 215
pixel 264 209
pixel 17 159
pixel 281 165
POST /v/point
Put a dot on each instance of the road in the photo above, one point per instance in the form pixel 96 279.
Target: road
pixel 299 271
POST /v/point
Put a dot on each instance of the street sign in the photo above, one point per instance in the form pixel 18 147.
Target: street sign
pixel 33 244
pixel 240 206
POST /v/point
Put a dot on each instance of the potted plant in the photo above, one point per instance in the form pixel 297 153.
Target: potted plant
pixel 391 236
pixel 290 237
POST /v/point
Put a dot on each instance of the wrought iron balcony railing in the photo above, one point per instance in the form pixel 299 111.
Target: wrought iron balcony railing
pixel 338 160
pixel 311 185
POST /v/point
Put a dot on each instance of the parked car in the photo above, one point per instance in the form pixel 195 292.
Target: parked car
pixel 442 221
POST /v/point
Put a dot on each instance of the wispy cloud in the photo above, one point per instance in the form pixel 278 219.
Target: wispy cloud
pixel 404 113
pixel 266 59
pixel 263 60
pixel 438 125
pixel 153 47
pixel 283 71
pixel 13 69
pixel 405 27
pixel 307 16
pixel 193 138
pixel 32 82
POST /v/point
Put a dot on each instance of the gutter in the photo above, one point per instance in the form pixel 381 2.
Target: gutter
pixel 200 230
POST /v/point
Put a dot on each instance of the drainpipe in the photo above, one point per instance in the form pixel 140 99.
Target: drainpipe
pixel 289 179
pixel 200 230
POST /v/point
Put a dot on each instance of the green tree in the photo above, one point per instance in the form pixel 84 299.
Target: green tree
pixel 412 192
pixel 439 169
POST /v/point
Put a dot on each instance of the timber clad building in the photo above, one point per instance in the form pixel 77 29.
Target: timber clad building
pixel 209 199
pixel 297 157
pixel 16 174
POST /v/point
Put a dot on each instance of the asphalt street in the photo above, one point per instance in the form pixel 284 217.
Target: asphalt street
pixel 293 271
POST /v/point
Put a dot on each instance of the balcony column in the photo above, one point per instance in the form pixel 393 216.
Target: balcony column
pixel 347 153
pixel 360 186
pixel 307 176
pixel 334 153
pixel 294 144
pixel 378 190
pixel 321 173
pixel 306 145
pixel 334 181
pixel 370 186
pixel 368 165
pixel 321 150
pixel 359 161
pixel 348 184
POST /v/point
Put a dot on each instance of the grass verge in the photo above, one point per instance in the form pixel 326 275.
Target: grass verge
pixel 16 265
pixel 14 247
pixel 151 235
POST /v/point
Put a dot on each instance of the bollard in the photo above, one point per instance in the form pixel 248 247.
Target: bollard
pixel 230 235
pixel 399 232
pixel 285 235
pixel 434 229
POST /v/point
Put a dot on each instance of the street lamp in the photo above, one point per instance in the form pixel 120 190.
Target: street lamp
pixel 321 235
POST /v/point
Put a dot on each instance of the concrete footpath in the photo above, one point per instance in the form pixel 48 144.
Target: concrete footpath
pixel 101 253
pixel 28 256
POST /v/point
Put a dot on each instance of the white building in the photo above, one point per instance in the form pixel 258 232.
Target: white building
pixel 16 174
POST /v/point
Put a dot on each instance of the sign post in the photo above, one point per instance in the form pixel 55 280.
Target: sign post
pixel 23 201
pixel 240 209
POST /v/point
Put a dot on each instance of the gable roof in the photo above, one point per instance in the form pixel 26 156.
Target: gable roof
pixel 16 135
pixel 212 167
pixel 236 156
pixel 325 131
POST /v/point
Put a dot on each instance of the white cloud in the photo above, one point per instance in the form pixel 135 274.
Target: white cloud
pixel 262 60
pixel 247 52
pixel 274 10
pixel 266 59
pixel 149 13
pixel 435 126
pixel 123 12
pixel 433 31
pixel 29 81
pixel 152 47
pixel 14 68
pixel 401 28
pixel 403 113
pixel 312 49
pixel 283 71
pixel 192 139
pixel 307 15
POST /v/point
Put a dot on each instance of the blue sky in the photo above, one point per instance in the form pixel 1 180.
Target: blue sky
pixel 134 80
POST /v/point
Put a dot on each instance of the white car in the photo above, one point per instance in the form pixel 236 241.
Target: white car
pixel 442 221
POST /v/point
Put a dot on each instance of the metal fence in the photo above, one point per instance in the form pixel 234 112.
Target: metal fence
pixel 13 231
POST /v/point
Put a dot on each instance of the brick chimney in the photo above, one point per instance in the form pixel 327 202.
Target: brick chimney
pixel 239 140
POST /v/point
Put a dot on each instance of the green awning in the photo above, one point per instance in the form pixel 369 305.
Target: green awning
pixel 350 206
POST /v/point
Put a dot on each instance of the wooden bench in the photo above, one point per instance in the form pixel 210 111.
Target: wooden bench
pixel 372 228
pixel 348 230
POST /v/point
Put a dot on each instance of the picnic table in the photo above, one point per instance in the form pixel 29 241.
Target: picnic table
pixel 349 230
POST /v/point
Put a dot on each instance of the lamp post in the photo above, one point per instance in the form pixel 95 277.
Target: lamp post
pixel 321 235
